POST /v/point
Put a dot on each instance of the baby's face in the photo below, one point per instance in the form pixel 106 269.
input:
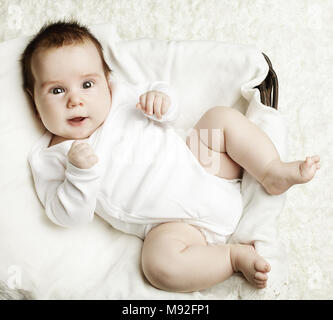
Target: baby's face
pixel 71 92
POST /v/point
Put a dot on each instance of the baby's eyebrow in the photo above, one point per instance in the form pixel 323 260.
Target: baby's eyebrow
pixel 96 75
pixel 47 83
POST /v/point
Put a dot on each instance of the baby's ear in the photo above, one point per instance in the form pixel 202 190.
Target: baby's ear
pixel 33 101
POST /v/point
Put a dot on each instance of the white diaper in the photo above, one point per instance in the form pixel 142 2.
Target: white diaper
pixel 210 236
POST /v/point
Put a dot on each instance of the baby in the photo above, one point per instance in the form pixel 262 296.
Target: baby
pixel 108 148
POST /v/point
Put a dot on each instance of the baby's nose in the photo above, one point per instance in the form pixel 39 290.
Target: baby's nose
pixel 74 101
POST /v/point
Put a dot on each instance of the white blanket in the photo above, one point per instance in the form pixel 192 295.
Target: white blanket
pixel 97 261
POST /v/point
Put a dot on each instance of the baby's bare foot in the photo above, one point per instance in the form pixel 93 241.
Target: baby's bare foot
pixel 308 168
pixel 245 259
pixel 281 176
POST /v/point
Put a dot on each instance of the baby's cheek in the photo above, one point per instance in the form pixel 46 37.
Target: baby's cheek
pixel 53 121
pixel 104 105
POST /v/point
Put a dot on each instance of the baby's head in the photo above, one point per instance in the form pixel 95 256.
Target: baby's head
pixel 65 73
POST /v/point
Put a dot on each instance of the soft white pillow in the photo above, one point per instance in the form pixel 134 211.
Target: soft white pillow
pixel 88 261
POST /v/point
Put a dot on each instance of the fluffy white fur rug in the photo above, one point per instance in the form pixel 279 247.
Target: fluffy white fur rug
pixel 297 36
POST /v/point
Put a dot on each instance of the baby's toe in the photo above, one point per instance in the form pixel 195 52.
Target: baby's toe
pixel 315 158
pixel 311 162
pixel 308 169
pixel 259 276
pixel 261 285
pixel 262 266
pixel 308 162
pixel 257 281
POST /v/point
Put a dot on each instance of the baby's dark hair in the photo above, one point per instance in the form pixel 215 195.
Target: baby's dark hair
pixel 55 35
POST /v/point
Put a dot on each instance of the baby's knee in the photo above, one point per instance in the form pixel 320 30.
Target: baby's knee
pixel 160 261
pixel 161 274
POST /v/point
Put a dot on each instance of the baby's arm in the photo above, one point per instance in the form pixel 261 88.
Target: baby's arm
pixel 159 102
pixel 69 196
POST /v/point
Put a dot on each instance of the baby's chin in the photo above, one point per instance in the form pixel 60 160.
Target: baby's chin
pixel 75 135
pixel 79 136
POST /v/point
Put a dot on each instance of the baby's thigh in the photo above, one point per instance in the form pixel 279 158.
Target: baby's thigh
pixel 162 246
pixel 214 162
pixel 181 231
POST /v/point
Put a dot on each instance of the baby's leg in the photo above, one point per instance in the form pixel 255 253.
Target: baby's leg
pixel 214 162
pixel 176 257
pixel 251 148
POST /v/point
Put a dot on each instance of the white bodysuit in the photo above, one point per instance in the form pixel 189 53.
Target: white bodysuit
pixel 146 175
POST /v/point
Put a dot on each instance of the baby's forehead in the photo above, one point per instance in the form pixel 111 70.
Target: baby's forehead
pixel 82 55
pixel 69 47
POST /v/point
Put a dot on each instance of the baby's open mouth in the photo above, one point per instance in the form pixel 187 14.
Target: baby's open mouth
pixel 77 121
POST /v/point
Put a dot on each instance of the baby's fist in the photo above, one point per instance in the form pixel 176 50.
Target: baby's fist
pixel 82 155
pixel 154 102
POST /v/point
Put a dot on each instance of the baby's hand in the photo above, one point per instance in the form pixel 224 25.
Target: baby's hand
pixel 154 102
pixel 82 155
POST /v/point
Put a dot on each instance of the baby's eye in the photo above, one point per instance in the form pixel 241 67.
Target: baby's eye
pixel 87 84
pixel 57 90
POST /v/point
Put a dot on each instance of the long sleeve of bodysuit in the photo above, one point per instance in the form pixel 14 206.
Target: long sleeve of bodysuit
pixel 67 193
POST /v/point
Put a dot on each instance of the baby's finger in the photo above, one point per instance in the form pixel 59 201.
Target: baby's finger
pixel 86 151
pixel 82 146
pixel 78 144
pixel 75 143
pixel 157 106
pixel 165 106
pixel 150 102
pixel 143 101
